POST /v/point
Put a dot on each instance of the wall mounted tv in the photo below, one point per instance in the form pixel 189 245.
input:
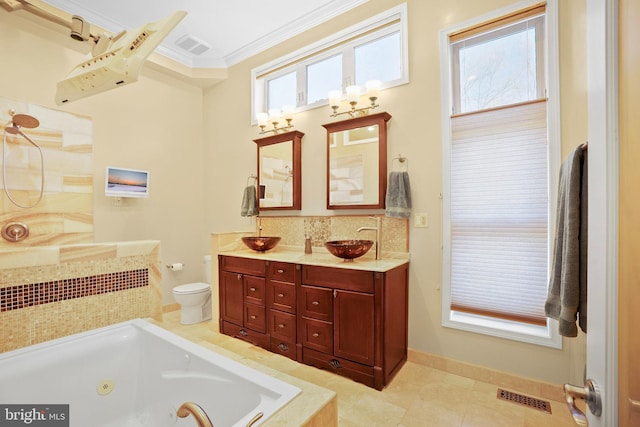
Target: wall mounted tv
pixel 122 182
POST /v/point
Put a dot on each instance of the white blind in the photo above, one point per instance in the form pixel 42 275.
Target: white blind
pixel 499 213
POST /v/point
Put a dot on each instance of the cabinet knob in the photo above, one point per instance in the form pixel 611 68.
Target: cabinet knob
pixel 252 289
pixel 239 277
pixel 280 295
pixel 315 303
pixel 281 326
pixel 253 317
pixel 315 335
pixel 280 271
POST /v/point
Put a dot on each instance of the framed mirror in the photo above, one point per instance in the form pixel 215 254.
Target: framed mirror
pixel 279 171
pixel 357 162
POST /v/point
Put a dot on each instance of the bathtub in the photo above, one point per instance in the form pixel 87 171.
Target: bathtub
pixel 136 374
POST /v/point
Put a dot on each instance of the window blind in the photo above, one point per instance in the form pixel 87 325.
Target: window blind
pixel 499 212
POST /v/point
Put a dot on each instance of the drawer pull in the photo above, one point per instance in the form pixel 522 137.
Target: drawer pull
pixel 335 364
pixel 280 271
pixel 281 325
pixel 283 347
pixel 243 332
pixel 315 303
pixel 252 289
pixel 280 295
pixel 253 317
pixel 315 335
pixel 239 277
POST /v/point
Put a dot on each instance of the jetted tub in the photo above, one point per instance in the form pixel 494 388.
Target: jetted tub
pixel 136 374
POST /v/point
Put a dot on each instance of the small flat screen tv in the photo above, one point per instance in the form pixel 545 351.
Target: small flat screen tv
pixel 122 182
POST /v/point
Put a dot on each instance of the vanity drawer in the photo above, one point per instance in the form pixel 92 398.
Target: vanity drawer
pixel 338 278
pixel 317 335
pixel 284 347
pixel 255 318
pixel 254 267
pixel 255 338
pixel 346 368
pixel 282 296
pixel 254 290
pixel 282 325
pixel 317 303
pixel 282 271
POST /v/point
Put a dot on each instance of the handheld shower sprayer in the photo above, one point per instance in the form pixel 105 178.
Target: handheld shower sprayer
pixel 17 122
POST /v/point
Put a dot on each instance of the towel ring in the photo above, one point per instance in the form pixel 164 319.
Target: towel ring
pixel 251 177
pixel 401 161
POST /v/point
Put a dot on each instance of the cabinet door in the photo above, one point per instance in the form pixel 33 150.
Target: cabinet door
pixel 231 292
pixel 353 324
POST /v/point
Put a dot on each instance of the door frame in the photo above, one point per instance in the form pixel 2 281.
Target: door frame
pixel 602 335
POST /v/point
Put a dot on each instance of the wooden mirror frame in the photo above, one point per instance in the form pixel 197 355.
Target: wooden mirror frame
pixel 296 156
pixel 381 120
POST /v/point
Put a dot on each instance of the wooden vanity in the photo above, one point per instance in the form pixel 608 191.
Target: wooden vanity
pixel 349 318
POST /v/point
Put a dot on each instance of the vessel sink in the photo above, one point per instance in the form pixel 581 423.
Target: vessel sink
pixel 261 244
pixel 348 249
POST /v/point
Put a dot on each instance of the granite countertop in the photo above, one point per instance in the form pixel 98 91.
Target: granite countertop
pixel 321 257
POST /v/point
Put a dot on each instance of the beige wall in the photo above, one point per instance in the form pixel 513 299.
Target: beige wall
pixel 154 124
pixel 200 151
pixel 414 131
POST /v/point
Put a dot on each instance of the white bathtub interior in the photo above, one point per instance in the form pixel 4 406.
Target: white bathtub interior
pixel 137 374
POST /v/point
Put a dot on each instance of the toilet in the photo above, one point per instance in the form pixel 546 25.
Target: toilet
pixel 195 298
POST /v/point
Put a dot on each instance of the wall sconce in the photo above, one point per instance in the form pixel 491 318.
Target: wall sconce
pixel 274 117
pixel 353 96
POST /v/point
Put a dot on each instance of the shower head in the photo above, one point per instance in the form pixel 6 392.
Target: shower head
pixel 24 121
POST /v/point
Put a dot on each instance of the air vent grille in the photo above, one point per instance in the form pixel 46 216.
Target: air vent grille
pixel 520 399
pixel 192 44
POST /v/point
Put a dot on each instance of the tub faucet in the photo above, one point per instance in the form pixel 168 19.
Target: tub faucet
pixel 377 229
pixel 190 408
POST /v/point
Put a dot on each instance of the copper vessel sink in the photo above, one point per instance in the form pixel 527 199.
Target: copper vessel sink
pixel 348 249
pixel 260 244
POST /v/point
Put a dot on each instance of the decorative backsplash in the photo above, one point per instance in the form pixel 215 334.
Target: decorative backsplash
pixel 294 230
pixel 65 213
pixel 53 291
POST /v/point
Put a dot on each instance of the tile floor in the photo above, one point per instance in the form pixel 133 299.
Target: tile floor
pixel 417 396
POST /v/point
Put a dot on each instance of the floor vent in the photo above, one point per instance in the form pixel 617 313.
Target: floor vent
pixel 520 399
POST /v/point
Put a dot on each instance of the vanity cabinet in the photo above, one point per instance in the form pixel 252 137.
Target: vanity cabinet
pixel 350 321
pixel 354 322
pixel 258 302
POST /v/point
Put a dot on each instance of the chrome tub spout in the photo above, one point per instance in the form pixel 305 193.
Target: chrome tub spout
pixel 190 408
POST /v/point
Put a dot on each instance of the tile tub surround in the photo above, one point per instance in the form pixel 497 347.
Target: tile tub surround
pixel 64 216
pixel 53 291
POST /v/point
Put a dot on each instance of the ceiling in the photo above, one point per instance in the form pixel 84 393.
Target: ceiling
pixel 215 33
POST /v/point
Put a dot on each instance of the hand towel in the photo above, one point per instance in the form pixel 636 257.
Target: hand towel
pixel 249 202
pixel 398 198
pixel 567 293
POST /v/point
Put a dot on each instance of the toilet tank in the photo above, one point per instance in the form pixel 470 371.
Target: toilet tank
pixel 207 268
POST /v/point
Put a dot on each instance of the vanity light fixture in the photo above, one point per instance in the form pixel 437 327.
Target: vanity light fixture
pixel 274 117
pixel 353 96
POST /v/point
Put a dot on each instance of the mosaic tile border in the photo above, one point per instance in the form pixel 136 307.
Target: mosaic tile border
pixel 21 296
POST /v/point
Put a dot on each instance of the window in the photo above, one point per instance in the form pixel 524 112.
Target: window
pixel 375 49
pixel 500 145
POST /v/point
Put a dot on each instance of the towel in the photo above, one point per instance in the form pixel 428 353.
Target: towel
pixel 249 202
pixel 567 294
pixel 398 200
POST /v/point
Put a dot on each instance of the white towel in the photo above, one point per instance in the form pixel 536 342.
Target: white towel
pixel 398 198
pixel 249 202
pixel 567 295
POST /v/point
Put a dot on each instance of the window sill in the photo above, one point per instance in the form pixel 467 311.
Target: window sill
pixel 546 336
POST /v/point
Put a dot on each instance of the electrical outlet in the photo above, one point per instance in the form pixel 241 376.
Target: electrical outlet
pixel 421 220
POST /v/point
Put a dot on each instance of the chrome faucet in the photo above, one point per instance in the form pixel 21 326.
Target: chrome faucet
pixel 259 225
pixel 190 408
pixel 377 229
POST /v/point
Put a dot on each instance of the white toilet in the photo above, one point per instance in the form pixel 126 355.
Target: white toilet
pixel 195 298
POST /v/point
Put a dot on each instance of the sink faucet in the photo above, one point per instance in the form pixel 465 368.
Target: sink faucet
pixel 259 224
pixel 377 229
pixel 190 408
